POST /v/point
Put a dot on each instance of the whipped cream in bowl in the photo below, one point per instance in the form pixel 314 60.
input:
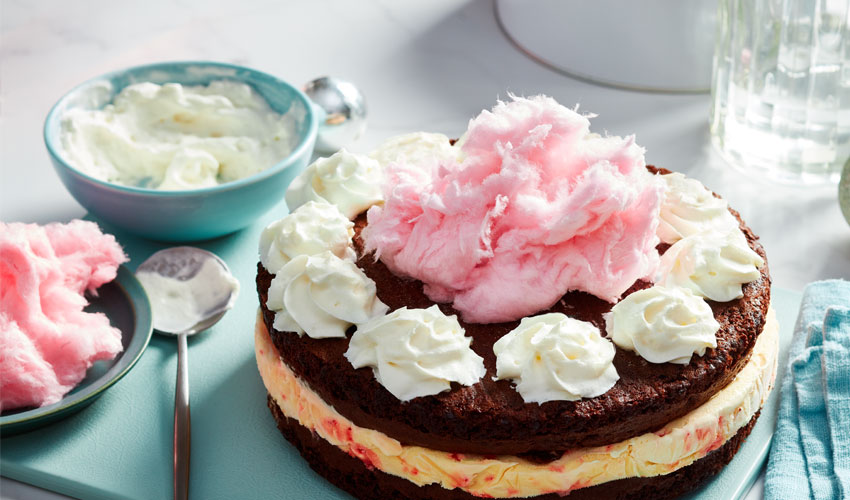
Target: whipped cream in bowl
pixel 178 137
pixel 181 151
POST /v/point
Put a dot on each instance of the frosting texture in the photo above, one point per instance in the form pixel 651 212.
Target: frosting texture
pixel 311 229
pixel 536 207
pixel 713 265
pixel 322 295
pixel 663 325
pixel 689 208
pixel 555 357
pixel 350 181
pixel 415 352
pixel 416 148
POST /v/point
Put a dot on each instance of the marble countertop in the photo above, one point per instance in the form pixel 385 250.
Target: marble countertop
pixel 422 66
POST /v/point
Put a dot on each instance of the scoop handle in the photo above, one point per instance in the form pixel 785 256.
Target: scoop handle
pixel 182 423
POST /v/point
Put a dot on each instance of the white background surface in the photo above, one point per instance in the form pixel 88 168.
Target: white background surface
pixel 422 66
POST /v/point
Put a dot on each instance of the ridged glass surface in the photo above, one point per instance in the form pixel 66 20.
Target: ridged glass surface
pixel 781 87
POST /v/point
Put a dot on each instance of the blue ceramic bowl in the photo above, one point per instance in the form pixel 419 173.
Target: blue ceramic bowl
pixel 187 215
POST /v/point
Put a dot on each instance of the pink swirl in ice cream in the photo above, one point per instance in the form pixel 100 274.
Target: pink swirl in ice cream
pixel 535 207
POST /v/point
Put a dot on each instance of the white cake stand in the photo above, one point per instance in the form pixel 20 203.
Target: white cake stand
pixel 650 45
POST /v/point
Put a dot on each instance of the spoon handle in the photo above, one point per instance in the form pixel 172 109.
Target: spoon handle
pixel 182 423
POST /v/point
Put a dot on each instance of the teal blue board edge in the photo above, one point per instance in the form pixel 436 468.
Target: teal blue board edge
pixel 120 446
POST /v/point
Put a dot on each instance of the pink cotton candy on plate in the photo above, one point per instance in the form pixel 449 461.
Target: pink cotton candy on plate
pixel 47 341
pixel 537 207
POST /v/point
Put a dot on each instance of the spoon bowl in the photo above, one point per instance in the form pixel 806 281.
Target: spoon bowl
pixel 190 289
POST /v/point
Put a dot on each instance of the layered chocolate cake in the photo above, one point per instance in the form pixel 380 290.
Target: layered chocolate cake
pixel 531 312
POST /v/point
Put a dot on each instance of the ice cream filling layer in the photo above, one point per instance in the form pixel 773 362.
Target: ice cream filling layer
pixel 678 444
pixel 533 206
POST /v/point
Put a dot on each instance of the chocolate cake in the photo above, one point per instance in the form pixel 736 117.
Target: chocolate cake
pixel 490 417
pixel 487 439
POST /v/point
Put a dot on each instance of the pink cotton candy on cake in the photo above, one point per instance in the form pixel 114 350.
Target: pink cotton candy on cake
pixel 537 207
pixel 47 342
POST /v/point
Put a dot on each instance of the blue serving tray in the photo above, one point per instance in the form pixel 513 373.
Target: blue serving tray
pixel 120 447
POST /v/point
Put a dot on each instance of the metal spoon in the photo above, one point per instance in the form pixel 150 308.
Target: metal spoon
pixel 190 290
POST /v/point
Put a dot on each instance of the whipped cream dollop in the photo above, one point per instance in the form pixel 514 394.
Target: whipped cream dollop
pixel 350 181
pixel 322 295
pixel 416 148
pixel 536 206
pixel 174 137
pixel 713 265
pixel 555 357
pixel 689 208
pixel 663 325
pixel 416 352
pixel 311 229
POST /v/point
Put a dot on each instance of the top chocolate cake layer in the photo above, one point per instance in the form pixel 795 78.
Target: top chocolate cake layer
pixel 490 417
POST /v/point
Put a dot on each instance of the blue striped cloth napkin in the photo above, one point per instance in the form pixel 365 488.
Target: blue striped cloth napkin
pixel 810 456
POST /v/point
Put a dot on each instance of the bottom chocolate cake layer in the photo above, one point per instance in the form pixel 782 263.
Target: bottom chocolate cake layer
pixel 352 475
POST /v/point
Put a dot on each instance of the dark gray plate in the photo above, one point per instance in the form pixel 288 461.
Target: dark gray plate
pixel 125 303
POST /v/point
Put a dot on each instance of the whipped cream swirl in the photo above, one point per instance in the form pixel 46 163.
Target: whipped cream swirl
pixel 712 265
pixel 190 169
pixel 322 295
pixel 663 325
pixel 417 148
pixel 555 357
pixel 689 208
pixel 416 352
pixel 350 181
pixel 313 228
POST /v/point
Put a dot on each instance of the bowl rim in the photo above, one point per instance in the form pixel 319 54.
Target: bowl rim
pixel 305 143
